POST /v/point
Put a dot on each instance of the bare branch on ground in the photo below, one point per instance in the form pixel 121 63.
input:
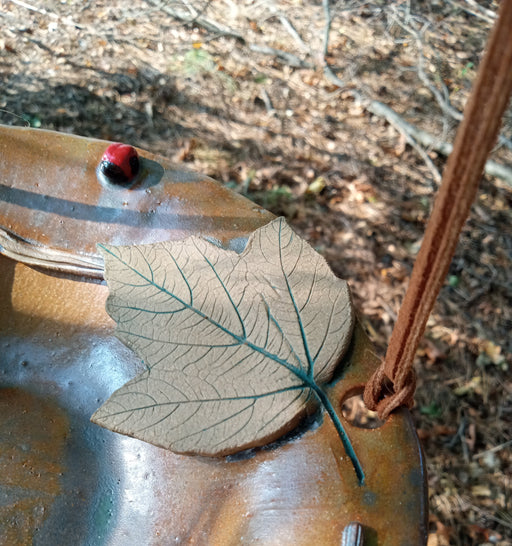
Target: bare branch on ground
pixel 288 26
pixel 47 13
pixel 327 28
pixel 422 137
pixel 415 137
pixel 287 58
pixel 189 16
pixel 442 98
pixel 474 8
pixel 193 17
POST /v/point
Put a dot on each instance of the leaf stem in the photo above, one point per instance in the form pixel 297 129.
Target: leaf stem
pixel 345 440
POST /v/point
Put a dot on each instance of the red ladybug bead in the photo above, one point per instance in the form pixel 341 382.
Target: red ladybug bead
pixel 119 164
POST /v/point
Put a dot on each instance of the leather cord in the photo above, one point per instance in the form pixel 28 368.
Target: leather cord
pixel 393 384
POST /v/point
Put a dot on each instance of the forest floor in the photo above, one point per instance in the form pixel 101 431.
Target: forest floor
pixel 245 93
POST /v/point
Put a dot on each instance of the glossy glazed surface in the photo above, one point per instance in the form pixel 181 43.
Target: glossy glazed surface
pixel 67 481
pixel 52 204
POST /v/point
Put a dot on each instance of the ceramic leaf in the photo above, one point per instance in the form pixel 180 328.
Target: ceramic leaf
pixel 236 346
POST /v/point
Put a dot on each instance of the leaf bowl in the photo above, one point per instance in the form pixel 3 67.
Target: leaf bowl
pixel 65 480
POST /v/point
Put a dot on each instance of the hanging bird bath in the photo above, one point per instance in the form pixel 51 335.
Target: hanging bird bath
pixel 67 480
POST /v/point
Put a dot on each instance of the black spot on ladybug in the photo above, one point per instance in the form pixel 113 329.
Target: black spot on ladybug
pixel 119 165
pixel 113 173
pixel 135 164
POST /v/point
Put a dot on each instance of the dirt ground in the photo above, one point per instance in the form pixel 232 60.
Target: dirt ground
pixel 273 124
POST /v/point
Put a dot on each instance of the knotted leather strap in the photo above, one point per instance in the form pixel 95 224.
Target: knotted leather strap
pixel 393 384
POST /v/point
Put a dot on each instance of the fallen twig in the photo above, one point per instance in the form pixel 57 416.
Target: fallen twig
pixel 403 128
pixel 327 28
pixel 417 138
pixel 33 8
pixel 268 103
pixel 288 26
pixel 288 58
pixel 442 99
pixel 476 9
pixel 494 449
pixel 328 72
pixel 422 137
pixel 197 19
pixel 213 26
pixel 45 12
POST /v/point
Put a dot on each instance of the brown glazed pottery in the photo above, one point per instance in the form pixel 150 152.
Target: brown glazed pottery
pixel 64 480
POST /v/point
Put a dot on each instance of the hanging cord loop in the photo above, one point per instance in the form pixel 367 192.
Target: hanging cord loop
pixel 393 383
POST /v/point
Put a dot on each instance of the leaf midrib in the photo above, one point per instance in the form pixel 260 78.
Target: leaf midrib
pixel 307 379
